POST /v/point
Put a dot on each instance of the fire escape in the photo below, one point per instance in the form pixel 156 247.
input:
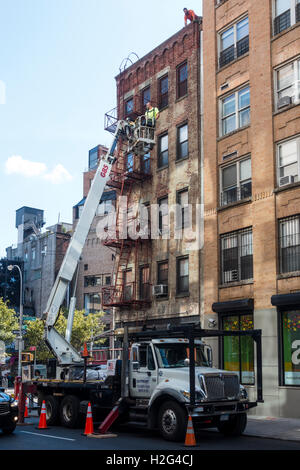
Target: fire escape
pixel 130 289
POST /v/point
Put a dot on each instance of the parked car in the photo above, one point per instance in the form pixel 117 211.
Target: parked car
pixel 8 412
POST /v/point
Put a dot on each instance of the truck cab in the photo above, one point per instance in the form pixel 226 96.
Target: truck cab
pixel 159 383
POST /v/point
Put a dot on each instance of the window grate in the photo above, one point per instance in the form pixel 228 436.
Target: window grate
pixel 282 22
pixel 236 256
pixel 289 243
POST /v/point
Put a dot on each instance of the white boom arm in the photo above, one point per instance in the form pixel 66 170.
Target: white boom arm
pixel 62 349
pixel 60 346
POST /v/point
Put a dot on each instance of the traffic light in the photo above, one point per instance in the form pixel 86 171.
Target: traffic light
pixel 27 357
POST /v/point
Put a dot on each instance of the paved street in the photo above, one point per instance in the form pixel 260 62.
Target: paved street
pixel 58 438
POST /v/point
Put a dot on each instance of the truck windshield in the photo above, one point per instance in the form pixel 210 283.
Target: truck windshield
pixel 177 355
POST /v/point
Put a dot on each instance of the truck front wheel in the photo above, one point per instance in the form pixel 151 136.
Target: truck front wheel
pixel 172 421
pixel 235 426
pixel 69 411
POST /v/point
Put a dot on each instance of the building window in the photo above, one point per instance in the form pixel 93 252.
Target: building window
pixel 128 284
pixel 238 352
pixel 288 84
pixel 163 92
pixel 290 332
pixel 288 154
pixel 86 267
pixel 92 281
pixel 146 97
pixel 92 303
pixel 289 244
pixel 182 80
pixel 107 280
pixel 182 272
pixel 236 256
pixel 163 215
pixel 163 273
pixel 183 209
pixel 128 107
pixel 163 151
pixel 286 14
pixel 144 284
pixel 236 182
pixel 104 208
pixel 234 42
pixel 93 158
pixel 235 111
pixel 182 142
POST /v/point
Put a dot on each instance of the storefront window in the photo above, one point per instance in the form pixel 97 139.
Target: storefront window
pixel 291 347
pixel 238 352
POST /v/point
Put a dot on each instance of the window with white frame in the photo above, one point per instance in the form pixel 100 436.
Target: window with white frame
pixel 287 84
pixel 234 42
pixel 236 182
pixel 288 156
pixel 235 111
pixel 286 14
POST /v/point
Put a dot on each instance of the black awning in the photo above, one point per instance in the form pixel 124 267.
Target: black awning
pixel 286 300
pixel 240 305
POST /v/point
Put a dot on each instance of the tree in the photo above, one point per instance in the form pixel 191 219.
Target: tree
pixel 8 322
pixel 84 327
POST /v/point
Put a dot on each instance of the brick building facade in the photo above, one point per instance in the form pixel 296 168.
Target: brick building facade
pixel 169 77
pixel 252 192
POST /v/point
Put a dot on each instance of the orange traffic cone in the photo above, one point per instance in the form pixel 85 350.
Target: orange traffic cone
pixel 190 435
pixel 43 422
pixel 26 415
pixel 89 426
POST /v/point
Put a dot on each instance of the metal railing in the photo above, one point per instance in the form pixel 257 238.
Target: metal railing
pixel 236 194
pixel 130 293
pixel 234 51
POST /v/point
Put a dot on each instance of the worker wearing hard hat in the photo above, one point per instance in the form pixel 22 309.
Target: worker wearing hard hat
pixel 151 115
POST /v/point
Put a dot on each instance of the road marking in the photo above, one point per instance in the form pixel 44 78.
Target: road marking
pixel 47 435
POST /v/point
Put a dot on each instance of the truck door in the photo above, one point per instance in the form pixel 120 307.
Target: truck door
pixel 143 371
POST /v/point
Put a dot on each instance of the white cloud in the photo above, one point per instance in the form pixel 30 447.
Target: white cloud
pixel 18 165
pixel 58 175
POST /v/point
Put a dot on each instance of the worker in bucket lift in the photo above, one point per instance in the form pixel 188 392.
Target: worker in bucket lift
pixel 189 15
pixel 151 115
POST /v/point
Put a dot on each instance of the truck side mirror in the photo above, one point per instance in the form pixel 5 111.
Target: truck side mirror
pixel 135 366
pixel 209 355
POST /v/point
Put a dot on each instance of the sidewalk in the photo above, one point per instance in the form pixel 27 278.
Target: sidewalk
pixel 287 429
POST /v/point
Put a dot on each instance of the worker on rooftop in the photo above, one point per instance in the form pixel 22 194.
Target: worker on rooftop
pixel 189 15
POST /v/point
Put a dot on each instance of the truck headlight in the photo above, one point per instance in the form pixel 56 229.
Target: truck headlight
pixel 243 393
pixel 13 403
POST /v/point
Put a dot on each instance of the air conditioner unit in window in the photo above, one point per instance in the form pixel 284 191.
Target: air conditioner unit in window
pixel 230 276
pixel 284 101
pixel 286 180
pixel 160 289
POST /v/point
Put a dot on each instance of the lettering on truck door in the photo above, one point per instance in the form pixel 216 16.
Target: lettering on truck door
pixel 143 376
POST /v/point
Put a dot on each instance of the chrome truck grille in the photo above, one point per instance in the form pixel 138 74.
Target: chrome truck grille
pixel 220 386
pixel 4 408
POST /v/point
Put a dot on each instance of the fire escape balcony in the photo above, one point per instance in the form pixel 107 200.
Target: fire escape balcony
pixel 129 295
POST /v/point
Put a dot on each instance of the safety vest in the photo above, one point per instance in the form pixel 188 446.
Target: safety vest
pixel 151 114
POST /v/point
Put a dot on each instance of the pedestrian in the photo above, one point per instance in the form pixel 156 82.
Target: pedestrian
pixel 151 115
pixel 189 15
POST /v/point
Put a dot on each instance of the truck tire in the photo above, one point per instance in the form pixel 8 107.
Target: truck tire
pixel 69 411
pixel 9 428
pixel 172 421
pixel 52 410
pixel 235 426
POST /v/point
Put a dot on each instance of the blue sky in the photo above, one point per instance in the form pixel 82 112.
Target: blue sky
pixel 58 60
